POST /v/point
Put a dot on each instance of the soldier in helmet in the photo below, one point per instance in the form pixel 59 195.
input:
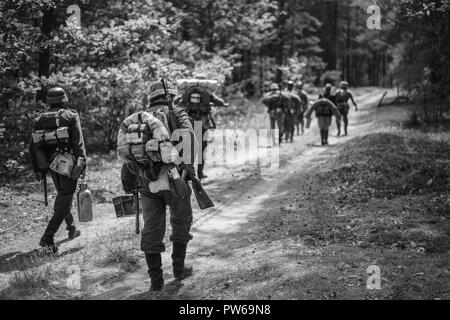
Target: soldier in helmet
pixel 341 99
pixel 277 104
pixel 198 102
pixel 72 148
pixel 293 112
pixel 328 93
pixel 154 202
pixel 324 109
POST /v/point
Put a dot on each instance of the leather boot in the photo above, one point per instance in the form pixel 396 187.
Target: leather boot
pixel 74 233
pixel 48 243
pixel 154 264
pixel 180 271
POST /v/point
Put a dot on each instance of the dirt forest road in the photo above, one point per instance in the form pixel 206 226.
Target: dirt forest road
pixel 225 252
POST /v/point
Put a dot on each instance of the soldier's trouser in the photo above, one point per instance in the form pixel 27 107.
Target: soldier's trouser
pixel 300 122
pixel 154 212
pixel 324 125
pixel 202 164
pixel 278 120
pixel 344 112
pixel 65 188
pixel 289 127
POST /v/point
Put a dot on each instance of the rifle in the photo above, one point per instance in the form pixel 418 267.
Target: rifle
pixel 44 185
pixel 136 194
pixel 204 201
pixel 172 116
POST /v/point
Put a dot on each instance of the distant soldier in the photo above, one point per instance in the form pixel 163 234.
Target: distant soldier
pixel 305 105
pixel 328 94
pixel 198 98
pixel 292 112
pixel 277 104
pixel 324 109
pixel 156 183
pixel 341 100
pixel 58 145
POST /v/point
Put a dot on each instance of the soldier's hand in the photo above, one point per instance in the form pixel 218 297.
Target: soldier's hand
pixel 356 108
pixel 188 171
pixel 38 176
pixel 76 172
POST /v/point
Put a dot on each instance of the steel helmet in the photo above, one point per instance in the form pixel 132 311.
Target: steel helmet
pixel 344 84
pixel 274 87
pixel 328 86
pixel 157 91
pixel 56 95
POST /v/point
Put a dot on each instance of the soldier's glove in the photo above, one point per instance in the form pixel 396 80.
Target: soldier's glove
pixel 356 108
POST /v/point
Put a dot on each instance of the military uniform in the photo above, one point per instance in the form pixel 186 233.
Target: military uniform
pixel 65 186
pixel 154 203
pixel 324 110
pixel 200 110
pixel 341 100
pixel 292 114
pixel 277 104
pixel 305 104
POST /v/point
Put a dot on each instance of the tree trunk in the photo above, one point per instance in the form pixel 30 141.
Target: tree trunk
pixel 48 24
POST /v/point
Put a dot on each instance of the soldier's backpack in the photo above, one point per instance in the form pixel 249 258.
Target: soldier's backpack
pixel 49 139
pixel 143 139
pixel 324 109
pixel 50 133
pixel 196 95
pixel 197 99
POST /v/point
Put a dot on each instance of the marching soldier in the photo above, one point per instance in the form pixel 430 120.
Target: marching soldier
pixel 324 109
pixel 158 194
pixel 277 104
pixel 197 101
pixel 64 155
pixel 341 100
pixel 328 94
pixel 305 105
pixel 292 112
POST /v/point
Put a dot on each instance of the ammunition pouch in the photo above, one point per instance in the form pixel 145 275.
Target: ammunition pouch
pixel 63 163
pixel 141 153
pixel 125 206
pixel 53 138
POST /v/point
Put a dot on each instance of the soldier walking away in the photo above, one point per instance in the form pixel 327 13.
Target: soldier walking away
pixel 328 93
pixel 277 104
pixel 197 98
pixel 305 105
pixel 158 183
pixel 341 98
pixel 324 109
pixel 293 112
pixel 58 145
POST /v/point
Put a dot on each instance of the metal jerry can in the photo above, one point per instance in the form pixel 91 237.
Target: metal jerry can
pixel 84 204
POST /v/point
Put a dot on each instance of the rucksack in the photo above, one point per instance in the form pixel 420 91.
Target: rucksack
pixel 197 99
pixel 51 134
pixel 324 109
pixel 144 140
